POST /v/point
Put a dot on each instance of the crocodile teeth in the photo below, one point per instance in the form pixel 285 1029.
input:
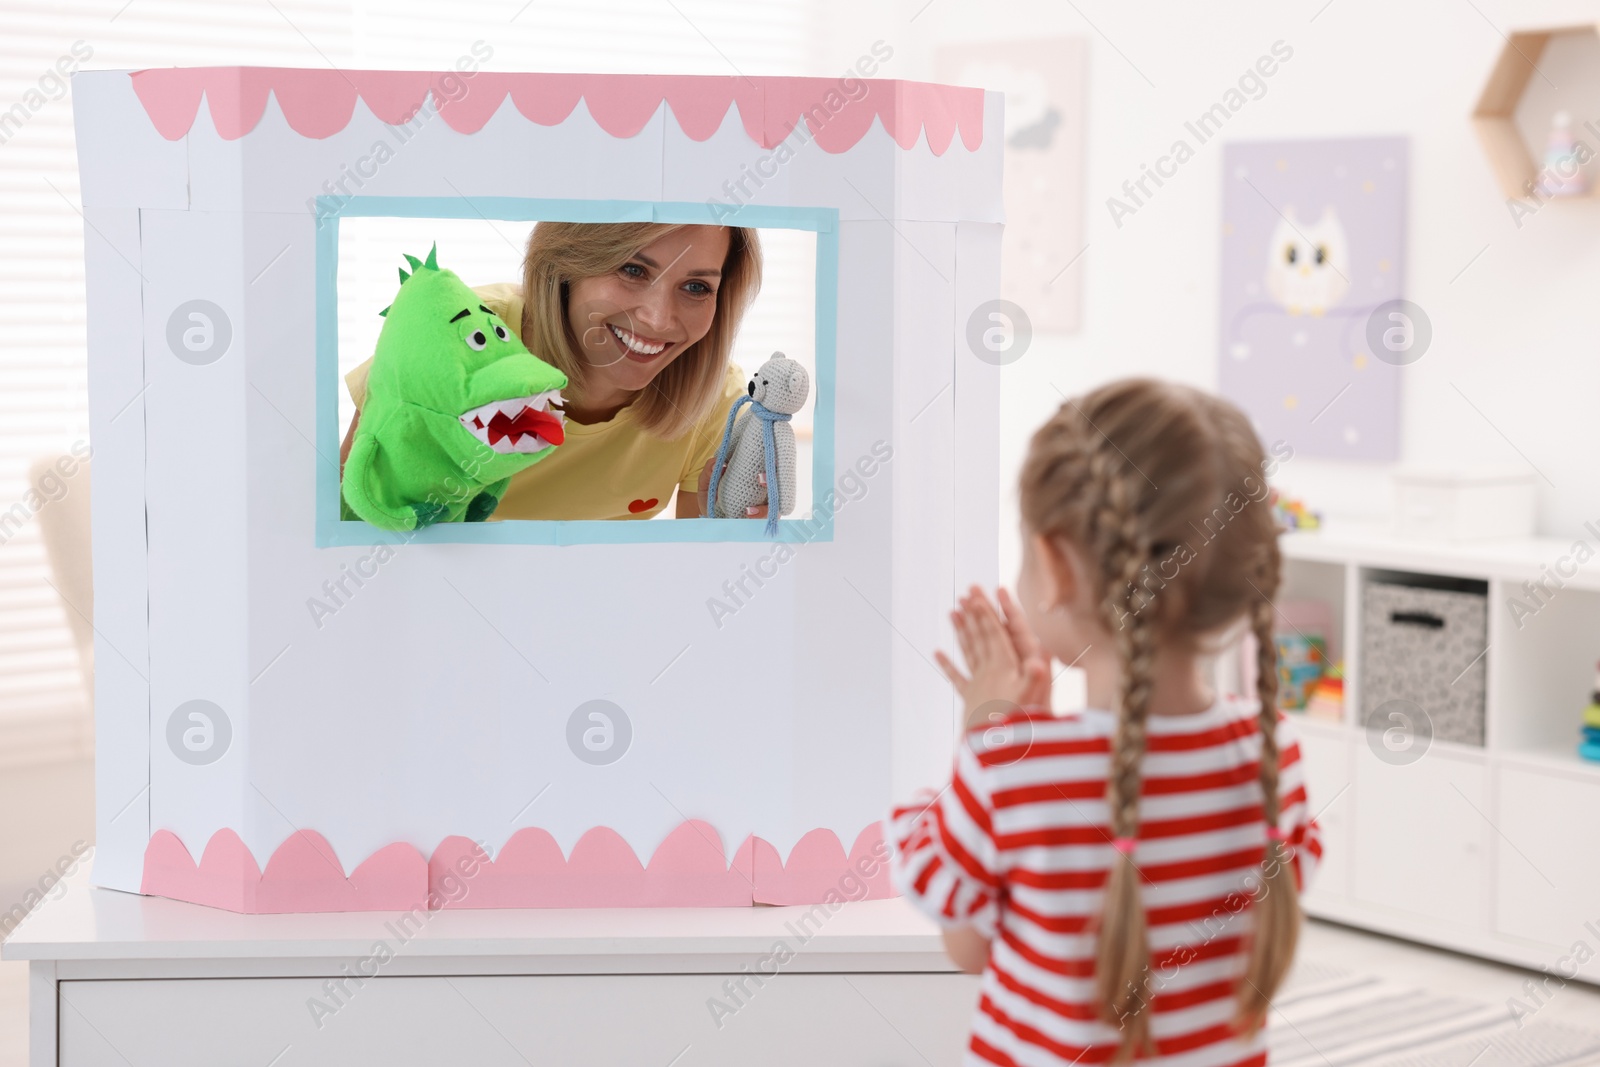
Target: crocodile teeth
pixel 478 420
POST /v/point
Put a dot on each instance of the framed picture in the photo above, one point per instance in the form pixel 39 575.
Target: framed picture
pixel 1315 330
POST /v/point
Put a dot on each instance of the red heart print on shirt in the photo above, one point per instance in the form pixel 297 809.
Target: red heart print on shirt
pixel 642 505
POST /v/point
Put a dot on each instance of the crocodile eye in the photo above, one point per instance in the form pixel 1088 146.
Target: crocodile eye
pixel 500 332
pixel 476 340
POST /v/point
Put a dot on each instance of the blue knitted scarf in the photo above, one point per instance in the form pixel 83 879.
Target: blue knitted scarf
pixel 769 446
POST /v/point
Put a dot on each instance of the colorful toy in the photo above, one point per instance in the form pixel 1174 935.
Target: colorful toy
pixel 1301 659
pixel 1327 696
pixel 455 406
pixel 762 443
pixel 1563 164
pixel 1293 514
pixel 1589 747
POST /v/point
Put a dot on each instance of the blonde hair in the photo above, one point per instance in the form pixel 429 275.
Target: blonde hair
pixel 1131 474
pixel 560 253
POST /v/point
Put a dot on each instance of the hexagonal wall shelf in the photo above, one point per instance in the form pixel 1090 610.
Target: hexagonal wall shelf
pixel 1538 73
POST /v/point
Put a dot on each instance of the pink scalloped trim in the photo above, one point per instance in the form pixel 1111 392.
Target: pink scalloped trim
pixel 302 875
pixel 817 865
pixel 688 869
pixel 319 103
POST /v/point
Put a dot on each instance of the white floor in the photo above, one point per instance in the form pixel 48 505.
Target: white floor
pixel 1441 972
pixel 1438 971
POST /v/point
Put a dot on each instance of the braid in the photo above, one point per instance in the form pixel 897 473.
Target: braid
pixel 1277 911
pixel 1264 625
pixel 1122 971
pixel 1123 558
pixel 1205 544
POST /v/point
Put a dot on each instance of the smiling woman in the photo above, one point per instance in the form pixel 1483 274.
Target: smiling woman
pixel 641 319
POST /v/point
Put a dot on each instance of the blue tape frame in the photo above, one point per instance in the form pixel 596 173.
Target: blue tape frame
pixel 331 530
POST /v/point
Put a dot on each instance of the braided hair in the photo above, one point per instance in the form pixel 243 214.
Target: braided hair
pixel 1162 488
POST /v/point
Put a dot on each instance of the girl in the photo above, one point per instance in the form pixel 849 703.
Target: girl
pixel 641 319
pixel 1125 878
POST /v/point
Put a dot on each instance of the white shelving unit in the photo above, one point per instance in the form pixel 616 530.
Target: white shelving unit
pixel 1492 851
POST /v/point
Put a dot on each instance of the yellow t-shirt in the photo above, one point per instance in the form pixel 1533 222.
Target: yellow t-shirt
pixel 604 470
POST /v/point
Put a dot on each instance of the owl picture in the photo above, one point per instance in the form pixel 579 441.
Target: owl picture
pixel 1308 264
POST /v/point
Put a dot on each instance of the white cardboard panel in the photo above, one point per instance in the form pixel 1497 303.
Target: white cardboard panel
pixel 924 593
pixel 275 169
pixel 122 160
pixel 985 168
pixel 574 159
pixel 860 182
pixel 843 641
pixel 977 403
pixel 436 702
pixel 975 471
pixel 117 522
pixel 219 169
pixel 197 434
pixel 278 253
pixel 959 184
pixel 727 168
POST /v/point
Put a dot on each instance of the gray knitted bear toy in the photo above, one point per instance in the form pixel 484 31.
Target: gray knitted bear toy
pixel 761 442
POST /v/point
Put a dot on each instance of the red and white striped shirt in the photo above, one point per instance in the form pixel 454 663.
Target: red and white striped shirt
pixel 1019 846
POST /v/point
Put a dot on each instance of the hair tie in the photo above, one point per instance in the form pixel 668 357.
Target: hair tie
pixel 1275 834
pixel 1124 845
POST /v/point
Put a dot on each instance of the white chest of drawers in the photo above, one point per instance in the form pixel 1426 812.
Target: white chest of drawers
pixel 121 979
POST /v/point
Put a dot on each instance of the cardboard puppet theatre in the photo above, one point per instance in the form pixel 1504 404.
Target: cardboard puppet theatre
pixel 686 711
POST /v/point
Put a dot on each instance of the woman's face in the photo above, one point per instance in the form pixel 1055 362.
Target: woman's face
pixel 633 322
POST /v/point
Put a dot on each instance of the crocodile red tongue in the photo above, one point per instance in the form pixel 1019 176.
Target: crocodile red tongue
pixel 531 420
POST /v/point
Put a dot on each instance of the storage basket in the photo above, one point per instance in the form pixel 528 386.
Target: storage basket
pixel 1425 644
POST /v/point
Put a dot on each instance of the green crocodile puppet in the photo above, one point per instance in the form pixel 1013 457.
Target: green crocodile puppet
pixel 455 406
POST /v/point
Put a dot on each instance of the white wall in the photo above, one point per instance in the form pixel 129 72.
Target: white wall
pixel 1515 332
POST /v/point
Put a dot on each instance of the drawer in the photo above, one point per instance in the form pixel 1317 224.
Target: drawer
pixel 1547 866
pixel 837 1019
pixel 1423 838
pixel 1329 787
